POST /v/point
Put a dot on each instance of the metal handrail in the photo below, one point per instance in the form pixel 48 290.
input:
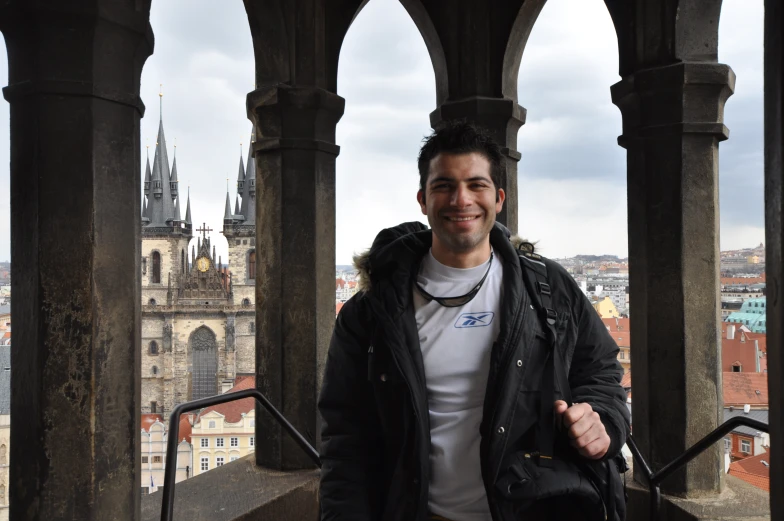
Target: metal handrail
pixel 655 478
pixel 170 472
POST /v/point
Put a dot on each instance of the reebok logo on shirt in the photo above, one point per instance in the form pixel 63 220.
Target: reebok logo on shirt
pixel 481 319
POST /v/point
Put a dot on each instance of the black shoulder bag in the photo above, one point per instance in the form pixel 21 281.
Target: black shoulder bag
pixel 563 482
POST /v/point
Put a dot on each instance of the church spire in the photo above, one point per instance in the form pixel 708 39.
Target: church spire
pixel 177 214
pixel 147 175
pixel 188 208
pixel 237 206
pixel 173 182
pixel 227 216
pixel 161 205
pixel 248 208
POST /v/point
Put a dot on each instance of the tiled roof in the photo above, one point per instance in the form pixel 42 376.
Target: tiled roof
pixel 617 324
pixel 754 470
pixel 184 432
pixel 338 307
pixel 745 388
pixel 149 419
pixel 754 414
pixel 626 381
pixel 725 281
pixel 622 338
pixel 232 411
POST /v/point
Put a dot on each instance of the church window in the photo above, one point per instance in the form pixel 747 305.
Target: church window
pixel 154 369
pixel 182 261
pixel 152 302
pixel 156 267
pixel 252 327
pixel 3 455
pixel 153 347
pixel 153 407
pixel 204 350
pixel 252 264
pixel 238 242
pixel 245 302
pixel 2 494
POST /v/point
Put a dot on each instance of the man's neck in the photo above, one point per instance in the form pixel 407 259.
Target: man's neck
pixel 463 260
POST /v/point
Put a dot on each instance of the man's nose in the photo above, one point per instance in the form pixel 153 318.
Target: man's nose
pixel 461 197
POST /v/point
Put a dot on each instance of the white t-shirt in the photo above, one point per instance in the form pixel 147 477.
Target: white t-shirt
pixel 456 344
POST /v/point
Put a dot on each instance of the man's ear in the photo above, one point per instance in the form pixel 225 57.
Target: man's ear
pixel 421 201
pixel 500 197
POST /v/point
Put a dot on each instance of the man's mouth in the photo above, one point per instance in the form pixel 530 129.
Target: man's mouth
pixel 461 219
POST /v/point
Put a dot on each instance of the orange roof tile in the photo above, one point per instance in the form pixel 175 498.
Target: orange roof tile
pixel 626 381
pixel 622 338
pixel 149 419
pixel 753 470
pixel 745 388
pixel 232 411
pixel 617 324
pixel 186 428
pixel 338 307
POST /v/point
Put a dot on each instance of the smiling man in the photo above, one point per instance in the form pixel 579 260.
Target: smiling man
pixel 434 371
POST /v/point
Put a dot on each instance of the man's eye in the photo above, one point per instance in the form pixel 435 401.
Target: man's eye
pixel 440 186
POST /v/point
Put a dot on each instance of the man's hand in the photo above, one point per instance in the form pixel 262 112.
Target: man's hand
pixel 585 429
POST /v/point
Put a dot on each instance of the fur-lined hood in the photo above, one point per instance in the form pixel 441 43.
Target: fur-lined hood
pixel 409 232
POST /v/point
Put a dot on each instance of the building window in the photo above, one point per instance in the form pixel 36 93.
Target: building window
pixel 737 368
pixel 252 441
pixel 727 444
pixel 153 407
pixel 152 302
pixel 205 442
pixel 232 458
pixel 156 459
pixel 252 327
pixel 153 347
pixel 205 463
pixel 211 424
pixel 235 442
pixel 219 442
pixel 252 264
pixel 219 461
pixel 253 423
pixel 246 302
pixel 156 267
pixel 145 459
pixel 154 370
pixel 745 446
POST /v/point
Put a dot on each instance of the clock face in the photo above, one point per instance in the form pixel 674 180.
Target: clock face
pixel 202 264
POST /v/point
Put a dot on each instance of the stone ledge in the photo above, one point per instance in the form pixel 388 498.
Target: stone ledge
pixel 739 501
pixel 241 491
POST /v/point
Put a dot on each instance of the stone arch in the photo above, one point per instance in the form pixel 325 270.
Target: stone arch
pixel 203 353
pixel 429 34
pixel 521 30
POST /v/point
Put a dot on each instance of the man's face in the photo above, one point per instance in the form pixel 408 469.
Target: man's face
pixel 460 201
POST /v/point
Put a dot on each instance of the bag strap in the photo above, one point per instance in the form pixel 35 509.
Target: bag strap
pixel 538 286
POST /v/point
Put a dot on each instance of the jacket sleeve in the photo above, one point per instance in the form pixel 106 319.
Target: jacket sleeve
pixel 349 422
pixel 595 373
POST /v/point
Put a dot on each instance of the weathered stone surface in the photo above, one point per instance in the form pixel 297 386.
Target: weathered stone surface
pixel 241 491
pixel 74 72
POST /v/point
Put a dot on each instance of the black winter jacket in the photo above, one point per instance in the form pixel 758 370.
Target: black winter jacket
pixel 375 432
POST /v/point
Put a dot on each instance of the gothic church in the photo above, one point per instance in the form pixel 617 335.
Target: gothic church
pixel 198 316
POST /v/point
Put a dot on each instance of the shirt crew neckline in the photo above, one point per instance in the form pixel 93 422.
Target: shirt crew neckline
pixel 432 268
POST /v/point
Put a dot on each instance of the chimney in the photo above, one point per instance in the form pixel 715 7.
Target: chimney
pixel 731 332
pixel 746 409
pixel 757 355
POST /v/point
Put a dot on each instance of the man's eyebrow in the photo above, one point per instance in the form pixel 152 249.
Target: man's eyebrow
pixel 452 179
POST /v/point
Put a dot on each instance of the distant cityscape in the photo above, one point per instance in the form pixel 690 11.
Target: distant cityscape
pixel 216 436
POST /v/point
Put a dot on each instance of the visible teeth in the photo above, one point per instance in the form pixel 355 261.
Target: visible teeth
pixel 461 218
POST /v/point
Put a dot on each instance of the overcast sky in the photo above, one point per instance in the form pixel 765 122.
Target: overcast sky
pixel 572 179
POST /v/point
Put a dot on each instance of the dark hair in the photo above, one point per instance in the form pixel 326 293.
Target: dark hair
pixel 459 138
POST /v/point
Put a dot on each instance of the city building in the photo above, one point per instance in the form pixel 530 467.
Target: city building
pixel 620 331
pixel 741 351
pixel 745 441
pixel 606 308
pixel 226 432
pixel 5 428
pixel 198 318
pixel 741 389
pixel 751 314
pixel 754 470
pixel 153 451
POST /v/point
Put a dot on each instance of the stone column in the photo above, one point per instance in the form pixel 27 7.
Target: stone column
pixel 672 126
pixel 74 73
pixel 295 156
pixel 774 256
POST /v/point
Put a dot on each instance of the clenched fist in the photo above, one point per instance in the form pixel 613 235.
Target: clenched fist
pixel 585 429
